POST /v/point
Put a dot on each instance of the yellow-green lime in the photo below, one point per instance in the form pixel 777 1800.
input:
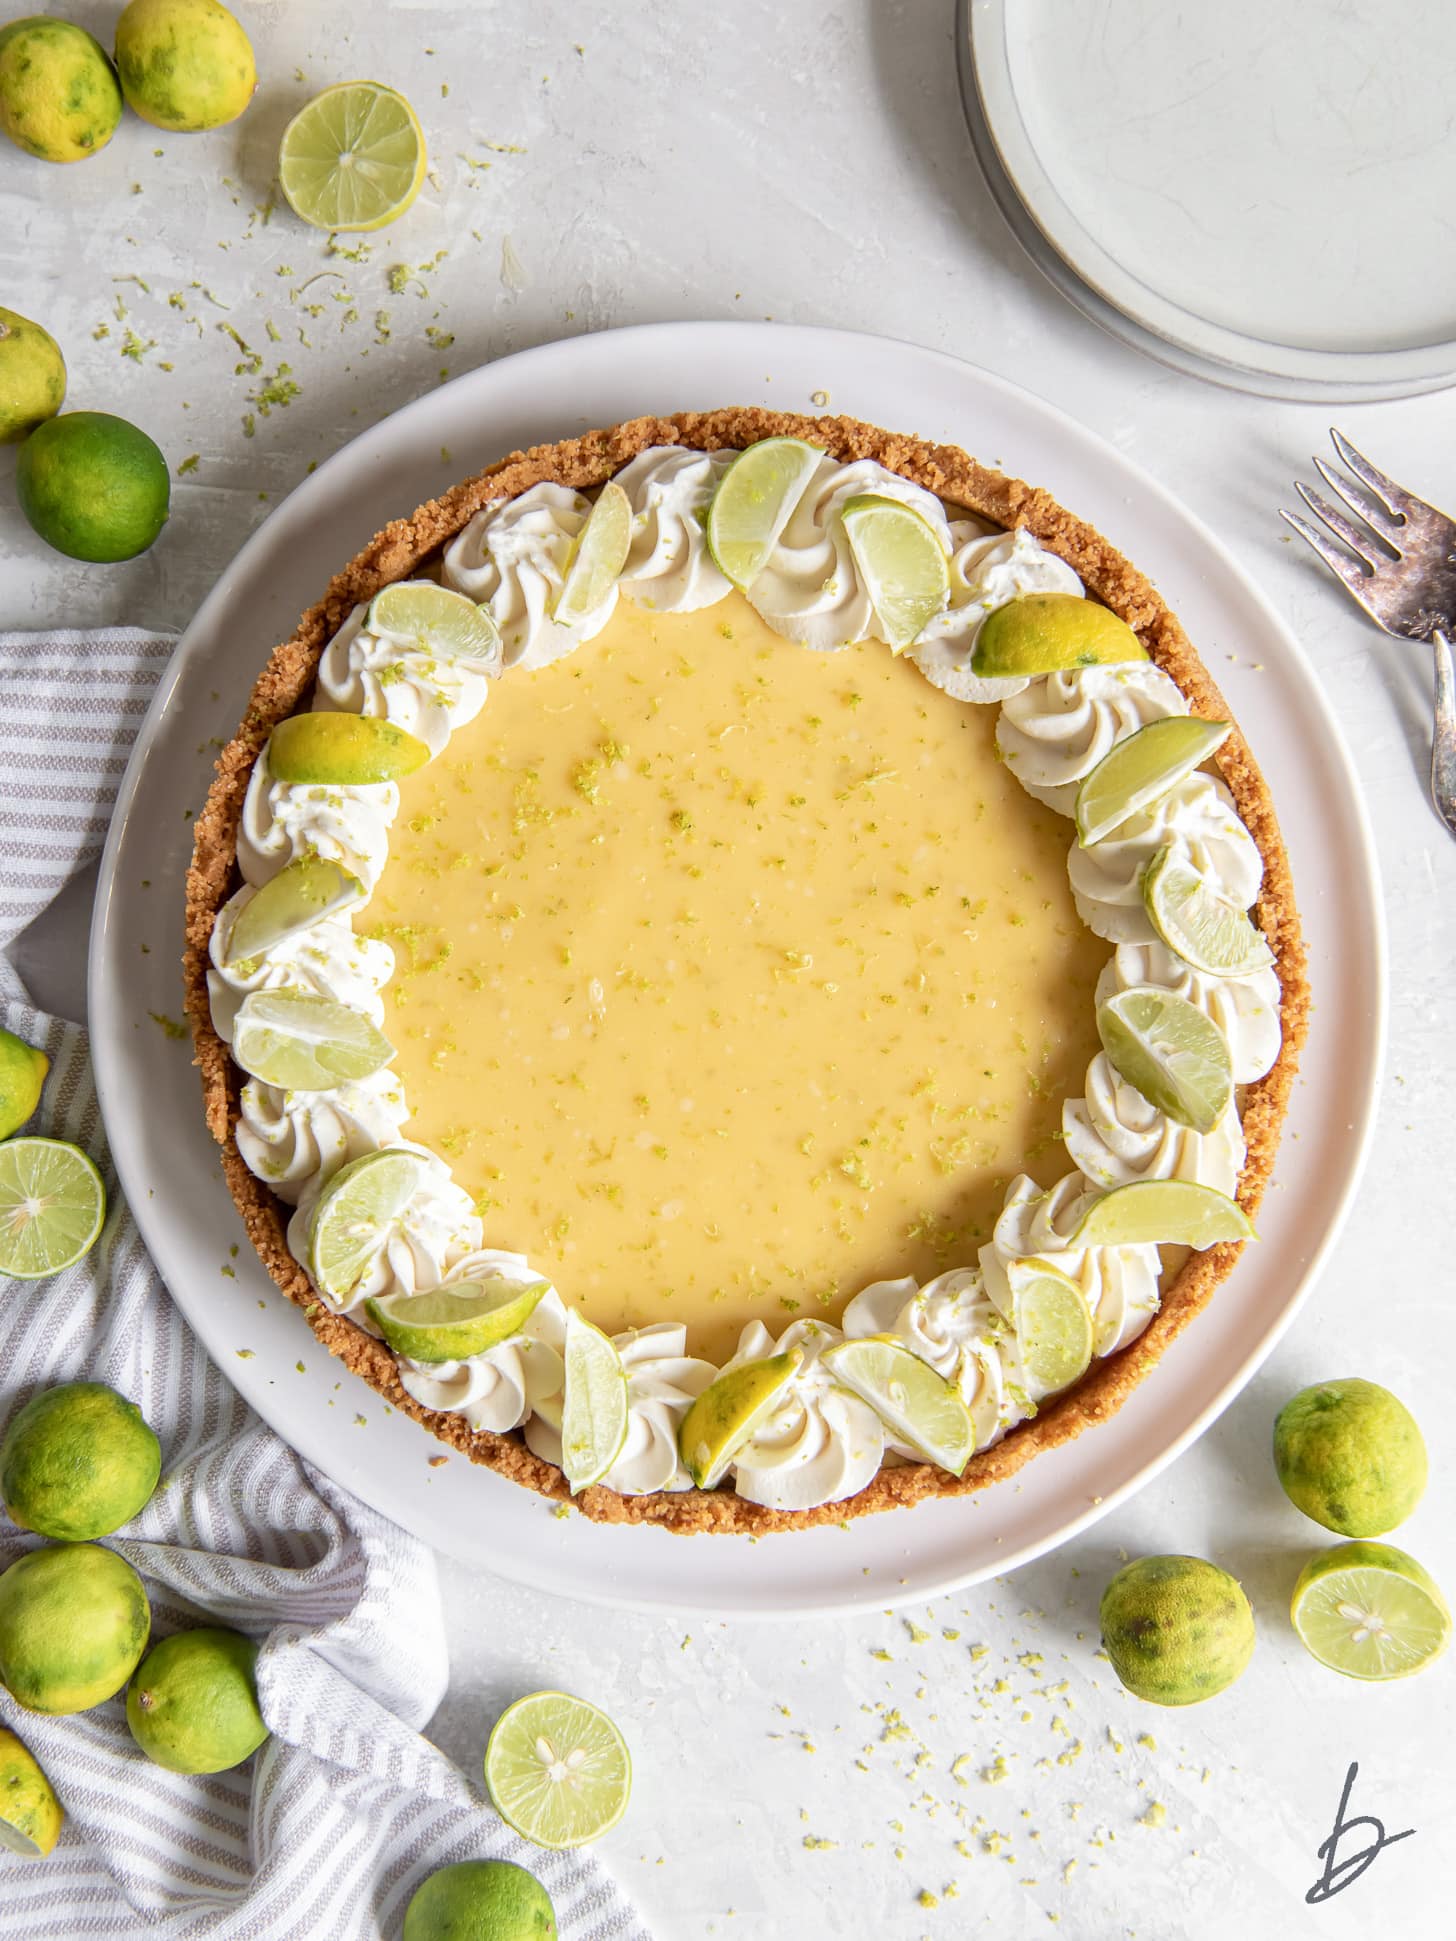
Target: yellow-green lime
pixel 598 554
pixel 1370 1611
pixel 23 1071
pixel 754 501
pixel 1053 1328
pixel 77 1462
pixel 304 1043
pixel 1141 769
pixel 184 64
pixel 93 486
pixel 435 620
pixel 59 96
pixel 32 376
pixel 52 1204
pixel 354 1213
pixel 74 1621
pixel 914 1402
pixel 193 1704
pixel 1171 1052
pixel 558 1770
pixel 452 1323
pixel 1196 923
pixel 343 750
pixel 353 158
pixel 729 1411
pixel 480 1900
pixel 1177 1629
pixel 1051 633
pixel 1350 1455
pixel 302 894
pixel 593 1406
pixel 30 1813
pixel 1164 1213
pixel 901 562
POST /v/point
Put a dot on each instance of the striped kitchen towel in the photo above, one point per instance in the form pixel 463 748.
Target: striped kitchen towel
pixel 326 1831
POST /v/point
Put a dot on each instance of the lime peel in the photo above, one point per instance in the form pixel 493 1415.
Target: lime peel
pixel 1171 1052
pixel 1161 1212
pixel 730 1411
pixel 455 1322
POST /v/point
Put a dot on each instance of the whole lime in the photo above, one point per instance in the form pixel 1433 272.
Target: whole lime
pixel 23 1071
pixel 30 1813
pixel 193 1705
pixel 480 1900
pixel 1349 1454
pixel 1177 1629
pixel 184 64
pixel 59 97
pixel 32 376
pixel 73 1623
pixel 78 1462
pixel 93 486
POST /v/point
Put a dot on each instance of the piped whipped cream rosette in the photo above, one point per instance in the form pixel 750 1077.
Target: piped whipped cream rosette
pixel 663 1381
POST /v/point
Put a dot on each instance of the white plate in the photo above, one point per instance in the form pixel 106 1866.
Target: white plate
pixel 149 1092
pixel 1256 195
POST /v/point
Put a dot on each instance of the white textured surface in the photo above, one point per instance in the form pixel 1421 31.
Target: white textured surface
pixel 810 164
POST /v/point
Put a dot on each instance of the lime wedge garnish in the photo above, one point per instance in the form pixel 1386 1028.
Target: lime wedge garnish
pixel 729 1411
pixel 303 1043
pixel 1052 633
pixel 343 750
pixel 1141 769
pixel 754 501
pixel 557 1770
pixel 452 1323
pixel 52 1203
pixel 1197 924
pixel 353 157
pixel 597 557
pixel 1370 1611
pixel 901 563
pixel 436 621
pixel 354 1213
pixel 910 1398
pixel 594 1404
pixel 302 894
pixel 1171 1052
pixel 1161 1213
pixel 1053 1326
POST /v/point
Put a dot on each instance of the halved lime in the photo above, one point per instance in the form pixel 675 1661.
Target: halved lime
pixel 52 1204
pixel 754 501
pixel 558 1770
pixel 597 556
pixel 1162 1213
pixel 302 894
pixel 452 1323
pixel 303 1043
pixel 910 1398
pixel 434 620
pixel 1141 769
pixel 354 1213
pixel 594 1404
pixel 1196 923
pixel 1052 633
pixel 729 1411
pixel 343 750
pixel 901 562
pixel 353 158
pixel 1370 1611
pixel 1171 1052
pixel 1053 1326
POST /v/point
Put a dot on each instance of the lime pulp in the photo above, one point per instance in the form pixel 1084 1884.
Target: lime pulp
pixel 52 1204
pixel 558 1770
pixel 915 1403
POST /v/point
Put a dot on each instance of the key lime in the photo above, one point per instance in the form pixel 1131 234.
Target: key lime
pixel 910 1398
pixel 434 620
pixel 480 1900
pixel 302 894
pixel 1052 633
pixel 52 1204
pixel 598 555
pixel 1171 1052
pixel 32 376
pixel 23 1071
pixel 59 97
pixel 184 64
pixel 1177 1629
pixel 1163 1213
pixel 77 1462
pixel 303 1043
pixel 1141 769
pixel 1053 1326
pixel 1370 1611
pixel 729 1411
pixel 93 486
pixel 900 561
pixel 353 158
pixel 754 501
pixel 343 750
pixel 594 1404
pixel 73 1623
pixel 193 1703
pixel 354 1214
pixel 453 1323
pixel 1196 923
pixel 557 1770
pixel 1350 1455
pixel 30 1813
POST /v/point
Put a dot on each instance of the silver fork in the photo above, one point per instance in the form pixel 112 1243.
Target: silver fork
pixel 1403 574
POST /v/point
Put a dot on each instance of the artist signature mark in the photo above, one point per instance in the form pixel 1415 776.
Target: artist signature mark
pixel 1342 1873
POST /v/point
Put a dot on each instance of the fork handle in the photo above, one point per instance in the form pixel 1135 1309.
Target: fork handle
pixel 1443 744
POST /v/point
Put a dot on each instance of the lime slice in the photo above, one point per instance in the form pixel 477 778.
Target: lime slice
pixel 754 501
pixel 435 621
pixel 594 1404
pixel 1052 633
pixel 901 563
pixel 1141 769
pixel 1370 1611
pixel 1171 1052
pixel 597 557
pixel 52 1203
pixel 452 1323
pixel 302 894
pixel 1054 1328
pixel 729 1411
pixel 558 1770
pixel 1199 925
pixel 354 1213
pixel 1161 1213
pixel 303 1043
pixel 353 158
pixel 342 750
pixel 917 1405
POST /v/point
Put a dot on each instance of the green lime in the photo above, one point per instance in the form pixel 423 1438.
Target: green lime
pixel 1162 1213
pixel 32 376
pixel 436 621
pixel 193 1702
pixel 729 1412
pixel 302 894
pixel 901 562
pixel 353 157
pixel 594 1404
pixel 77 1462
pixel 52 1204
pixel 1370 1611
pixel 1171 1052
pixel 184 64
pixel 1196 923
pixel 73 1623
pixel 1052 633
pixel 916 1404
pixel 93 486
pixel 1177 1629
pixel 754 501
pixel 480 1900
pixel 1053 1327
pixel 1350 1455
pixel 343 750
pixel 23 1071
pixel 354 1214
pixel 1141 769
pixel 304 1043
pixel 557 1770
pixel 59 97
pixel 598 554
pixel 453 1323
pixel 30 1813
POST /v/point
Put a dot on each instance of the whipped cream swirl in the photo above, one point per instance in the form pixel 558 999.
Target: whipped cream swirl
pixel 513 558
pixel 1197 816
pixel 326 960
pixel 821 1443
pixel 1245 1009
pixel 417 1249
pixel 367 671
pixel 1120 1284
pixel 347 826
pixel 986 571
pixel 669 567
pixel 1056 730
pixel 1115 1137
pixel 297 1141
pixel 500 1389
pixel 952 1323
pixel 663 1381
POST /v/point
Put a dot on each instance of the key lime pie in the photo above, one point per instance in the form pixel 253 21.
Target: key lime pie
pixel 742 972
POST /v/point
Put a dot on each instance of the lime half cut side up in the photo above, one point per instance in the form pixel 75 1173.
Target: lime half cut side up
pixel 1141 769
pixel 597 557
pixel 1162 1212
pixel 436 621
pixel 558 1770
pixel 302 894
pixel 915 1403
pixel 1196 923
pixel 1370 1611
pixel 353 157
pixel 52 1204
pixel 1171 1052
pixel 729 1411
pixel 594 1404
pixel 754 501
pixel 453 1323
pixel 303 1043
pixel 901 561
pixel 354 1214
